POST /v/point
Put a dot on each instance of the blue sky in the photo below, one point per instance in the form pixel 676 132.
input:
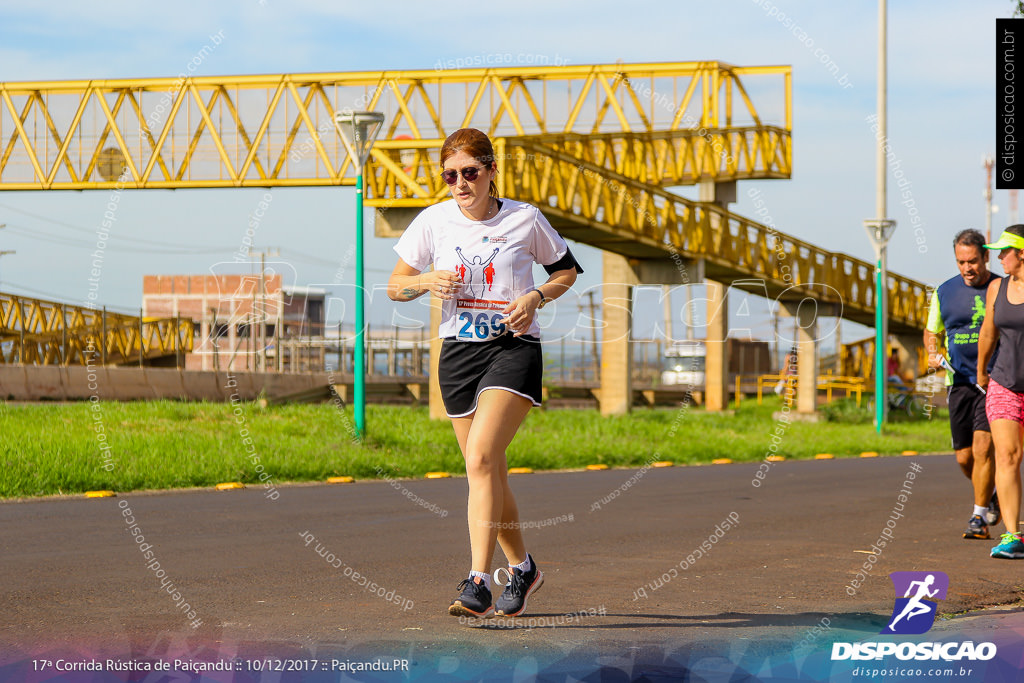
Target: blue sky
pixel 941 119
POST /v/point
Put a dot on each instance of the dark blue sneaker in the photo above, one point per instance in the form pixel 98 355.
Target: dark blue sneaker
pixel 474 600
pixel 976 528
pixel 521 585
pixel 993 515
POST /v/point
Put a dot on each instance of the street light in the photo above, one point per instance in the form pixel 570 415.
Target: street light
pixel 880 230
pixel 987 162
pixel 358 130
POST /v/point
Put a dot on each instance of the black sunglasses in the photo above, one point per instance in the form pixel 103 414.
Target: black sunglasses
pixel 470 173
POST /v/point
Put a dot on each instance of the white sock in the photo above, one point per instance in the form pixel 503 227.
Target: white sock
pixel 484 576
pixel 980 511
pixel 524 566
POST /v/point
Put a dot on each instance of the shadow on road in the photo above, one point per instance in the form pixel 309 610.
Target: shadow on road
pixel 865 622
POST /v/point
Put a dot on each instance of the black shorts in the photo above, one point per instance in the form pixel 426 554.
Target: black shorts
pixel 467 368
pixel 966 414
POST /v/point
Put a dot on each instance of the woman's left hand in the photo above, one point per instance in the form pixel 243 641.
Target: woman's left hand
pixel 519 314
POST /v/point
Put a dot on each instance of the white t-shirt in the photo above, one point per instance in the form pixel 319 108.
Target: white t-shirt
pixel 494 259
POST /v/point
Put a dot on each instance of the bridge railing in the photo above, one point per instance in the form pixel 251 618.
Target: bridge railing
pixel 607 208
pixel 42 332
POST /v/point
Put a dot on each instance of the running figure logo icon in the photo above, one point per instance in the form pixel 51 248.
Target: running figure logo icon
pixel 913 613
pixel 477 275
pixel 979 311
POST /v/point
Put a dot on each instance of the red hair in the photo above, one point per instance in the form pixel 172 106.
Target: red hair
pixel 476 144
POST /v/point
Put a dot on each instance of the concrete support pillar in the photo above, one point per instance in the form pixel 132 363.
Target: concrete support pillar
pixel 393 222
pixel 205 343
pixel 417 358
pixel 232 337
pixel 616 393
pixel 716 374
pixel 912 354
pixel 436 404
pixel 722 194
pixel 806 313
pixel 716 368
pixel 392 355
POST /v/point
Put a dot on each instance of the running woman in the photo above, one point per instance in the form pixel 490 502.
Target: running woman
pixel 483 249
pixel 955 315
pixel 1004 403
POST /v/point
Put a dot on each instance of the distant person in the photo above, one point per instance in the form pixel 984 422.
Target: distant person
pixel 787 371
pixel 892 365
pixel 955 315
pixel 892 369
pixel 1004 405
pixel 490 366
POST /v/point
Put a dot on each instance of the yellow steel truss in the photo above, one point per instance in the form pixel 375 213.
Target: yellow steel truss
pixel 41 332
pixel 661 158
pixel 597 206
pixel 593 145
pixel 277 130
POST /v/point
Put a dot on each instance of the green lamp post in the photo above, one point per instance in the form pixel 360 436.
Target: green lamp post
pixel 358 130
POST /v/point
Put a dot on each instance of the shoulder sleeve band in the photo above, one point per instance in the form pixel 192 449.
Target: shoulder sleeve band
pixel 564 263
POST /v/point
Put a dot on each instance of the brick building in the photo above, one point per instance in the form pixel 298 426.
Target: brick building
pixel 241 320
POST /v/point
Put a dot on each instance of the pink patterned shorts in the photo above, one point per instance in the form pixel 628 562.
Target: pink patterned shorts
pixel 1003 404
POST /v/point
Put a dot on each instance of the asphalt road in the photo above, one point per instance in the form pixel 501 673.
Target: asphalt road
pixel 75 583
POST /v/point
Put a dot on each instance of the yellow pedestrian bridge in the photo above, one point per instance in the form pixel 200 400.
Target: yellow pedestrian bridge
pixel 597 147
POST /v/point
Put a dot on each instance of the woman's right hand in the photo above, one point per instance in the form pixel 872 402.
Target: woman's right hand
pixel 983 379
pixel 444 284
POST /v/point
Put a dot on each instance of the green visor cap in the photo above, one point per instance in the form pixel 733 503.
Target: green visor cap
pixel 1007 240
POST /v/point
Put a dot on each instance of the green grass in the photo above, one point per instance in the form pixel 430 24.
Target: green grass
pixel 56 448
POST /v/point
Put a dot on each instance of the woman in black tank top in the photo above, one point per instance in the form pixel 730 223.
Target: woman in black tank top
pixel 1004 403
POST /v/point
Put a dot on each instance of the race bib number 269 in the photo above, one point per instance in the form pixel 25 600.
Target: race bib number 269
pixel 480 325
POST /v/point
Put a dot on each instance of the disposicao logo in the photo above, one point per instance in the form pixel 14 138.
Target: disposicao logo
pixel 914 612
pixel 917 594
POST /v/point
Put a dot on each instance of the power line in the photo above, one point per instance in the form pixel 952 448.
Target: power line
pixel 43 236
pixel 313 260
pixel 163 247
pixel 89 231
pixel 60 298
